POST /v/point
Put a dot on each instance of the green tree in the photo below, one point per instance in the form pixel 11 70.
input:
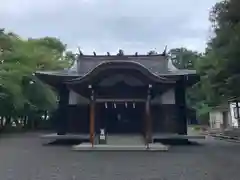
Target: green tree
pixel 20 91
pixel 223 49
pixel 199 96
pixel 183 58
pixel 219 66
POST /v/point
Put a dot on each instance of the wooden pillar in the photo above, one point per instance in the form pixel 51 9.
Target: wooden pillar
pixel 61 118
pixel 92 118
pixel 148 118
pixel 180 100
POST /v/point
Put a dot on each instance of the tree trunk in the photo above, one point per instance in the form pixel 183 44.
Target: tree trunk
pixel 8 121
pixel 1 121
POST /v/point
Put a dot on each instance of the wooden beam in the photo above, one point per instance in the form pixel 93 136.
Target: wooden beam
pixel 119 100
pixel 92 118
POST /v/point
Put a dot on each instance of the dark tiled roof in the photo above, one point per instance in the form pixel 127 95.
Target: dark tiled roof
pixel 154 63
pixel 55 78
pixel 157 65
pixel 115 66
pixel 58 73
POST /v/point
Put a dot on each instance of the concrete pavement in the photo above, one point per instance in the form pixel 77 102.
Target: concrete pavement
pixel 23 157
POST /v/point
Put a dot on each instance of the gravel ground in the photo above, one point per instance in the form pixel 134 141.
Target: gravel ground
pixel 22 157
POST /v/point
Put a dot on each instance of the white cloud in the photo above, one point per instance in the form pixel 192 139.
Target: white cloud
pixel 27 7
pixel 107 25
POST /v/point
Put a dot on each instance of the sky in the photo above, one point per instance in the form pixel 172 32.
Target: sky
pixel 109 25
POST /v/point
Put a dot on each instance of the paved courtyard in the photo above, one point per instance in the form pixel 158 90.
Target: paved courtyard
pixel 22 157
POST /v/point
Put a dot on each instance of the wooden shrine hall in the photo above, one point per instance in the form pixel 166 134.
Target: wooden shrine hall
pixel 120 94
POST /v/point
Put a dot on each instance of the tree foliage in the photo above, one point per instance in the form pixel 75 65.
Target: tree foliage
pixel 223 70
pixel 184 58
pixel 20 91
pixel 219 66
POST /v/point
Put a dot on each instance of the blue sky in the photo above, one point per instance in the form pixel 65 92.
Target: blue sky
pixel 109 25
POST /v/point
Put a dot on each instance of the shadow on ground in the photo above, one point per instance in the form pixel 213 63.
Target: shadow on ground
pixel 178 142
pixel 172 142
pixel 65 142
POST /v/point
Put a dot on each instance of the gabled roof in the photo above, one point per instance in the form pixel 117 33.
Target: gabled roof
pixel 114 66
pixel 157 65
pixel 154 63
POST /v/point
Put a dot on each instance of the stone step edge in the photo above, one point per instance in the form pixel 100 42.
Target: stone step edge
pixel 152 147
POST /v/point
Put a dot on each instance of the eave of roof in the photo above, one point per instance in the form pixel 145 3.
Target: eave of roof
pixel 120 65
pixel 222 107
pixel 55 78
pixel 179 72
pixel 74 74
pixel 57 73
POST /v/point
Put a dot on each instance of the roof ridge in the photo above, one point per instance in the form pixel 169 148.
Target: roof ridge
pixel 130 55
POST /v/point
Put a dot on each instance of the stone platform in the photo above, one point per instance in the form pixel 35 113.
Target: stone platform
pixel 120 142
pixel 106 147
pixel 117 142
pixel 135 139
